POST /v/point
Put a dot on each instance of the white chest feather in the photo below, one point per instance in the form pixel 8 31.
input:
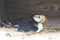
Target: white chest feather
pixel 40 27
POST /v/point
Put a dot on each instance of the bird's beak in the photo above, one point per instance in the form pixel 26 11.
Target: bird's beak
pixel 43 19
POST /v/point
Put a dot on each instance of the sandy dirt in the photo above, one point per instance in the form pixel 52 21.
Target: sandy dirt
pixel 12 34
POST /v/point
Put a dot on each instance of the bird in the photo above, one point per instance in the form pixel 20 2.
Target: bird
pixel 26 24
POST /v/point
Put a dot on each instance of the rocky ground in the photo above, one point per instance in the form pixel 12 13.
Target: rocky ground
pixel 12 34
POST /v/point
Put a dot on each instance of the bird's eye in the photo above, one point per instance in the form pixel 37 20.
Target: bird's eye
pixel 39 17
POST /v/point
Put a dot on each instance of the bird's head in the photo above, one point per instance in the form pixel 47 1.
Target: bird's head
pixel 39 18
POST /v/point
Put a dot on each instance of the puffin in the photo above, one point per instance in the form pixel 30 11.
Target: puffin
pixel 26 24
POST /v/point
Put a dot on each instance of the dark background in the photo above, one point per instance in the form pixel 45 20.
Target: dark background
pixel 18 8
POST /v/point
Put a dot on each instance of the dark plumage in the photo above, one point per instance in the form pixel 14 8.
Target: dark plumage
pixel 24 24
